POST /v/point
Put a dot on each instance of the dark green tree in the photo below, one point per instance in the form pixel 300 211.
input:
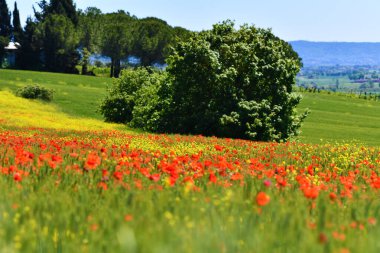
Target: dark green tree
pixel 56 27
pixel 18 35
pixel 90 33
pixel 152 37
pixel 31 45
pixel 65 8
pixel 226 82
pixel 117 38
pixel 234 83
pixel 44 10
pixel 17 29
pixel 5 27
pixel 60 42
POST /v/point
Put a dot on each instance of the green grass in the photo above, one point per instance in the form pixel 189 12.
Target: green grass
pixel 332 118
pixel 74 94
pixel 340 118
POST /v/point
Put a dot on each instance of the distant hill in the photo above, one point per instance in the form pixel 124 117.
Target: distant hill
pixel 337 53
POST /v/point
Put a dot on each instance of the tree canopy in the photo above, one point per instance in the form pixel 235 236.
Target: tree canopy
pixel 5 27
pixel 226 82
pixel 59 35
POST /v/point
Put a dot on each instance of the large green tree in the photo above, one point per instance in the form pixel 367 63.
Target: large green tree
pixel 90 30
pixel 5 27
pixel 17 28
pixel 234 83
pixel 117 38
pixel 65 8
pixel 152 37
pixel 31 45
pixel 226 82
pixel 60 42
pixel 18 35
pixel 57 32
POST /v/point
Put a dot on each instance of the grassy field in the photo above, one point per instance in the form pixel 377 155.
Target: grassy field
pixel 74 94
pixel 340 118
pixel 72 183
pixel 332 118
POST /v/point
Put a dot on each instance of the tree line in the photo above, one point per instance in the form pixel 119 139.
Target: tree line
pixel 59 37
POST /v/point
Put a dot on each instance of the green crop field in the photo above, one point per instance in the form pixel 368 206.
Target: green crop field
pixel 340 118
pixel 332 118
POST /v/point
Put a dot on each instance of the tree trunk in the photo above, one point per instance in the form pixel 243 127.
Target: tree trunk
pixel 117 68
pixel 112 67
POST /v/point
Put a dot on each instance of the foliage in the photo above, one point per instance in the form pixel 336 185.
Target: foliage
pixel 31 45
pixel 150 102
pixel 234 83
pixel 116 39
pixel 65 8
pixel 35 92
pixel 152 38
pixel 133 86
pixel 5 20
pixel 60 42
pixel 85 60
pixel 117 35
pixel 5 28
pixel 17 29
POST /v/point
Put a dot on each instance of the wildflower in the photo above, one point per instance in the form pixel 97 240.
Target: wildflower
pixel 267 183
pixel 128 217
pixel 372 221
pixel 118 175
pixel 322 238
pixel 311 192
pixel 93 160
pixel 155 177
pixel 17 177
pixel 262 199
pixel 332 196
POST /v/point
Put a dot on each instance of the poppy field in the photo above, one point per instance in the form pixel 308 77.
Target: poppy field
pixel 72 183
pixel 111 191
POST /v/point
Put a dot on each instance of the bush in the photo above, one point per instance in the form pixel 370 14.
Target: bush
pixel 223 82
pixel 133 87
pixel 35 92
pixel 234 83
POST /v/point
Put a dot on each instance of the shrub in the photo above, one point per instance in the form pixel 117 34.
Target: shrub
pixel 133 87
pixel 35 92
pixel 234 83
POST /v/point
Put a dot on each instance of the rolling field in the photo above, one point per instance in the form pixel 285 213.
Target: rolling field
pixel 339 118
pixel 72 183
pixel 332 118
pixel 73 94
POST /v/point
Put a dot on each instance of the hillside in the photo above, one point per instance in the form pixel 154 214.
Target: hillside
pixel 340 118
pixel 332 118
pixel 337 53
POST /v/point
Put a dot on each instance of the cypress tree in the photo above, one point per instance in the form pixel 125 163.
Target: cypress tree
pixel 64 8
pixel 30 47
pixel 17 29
pixel 5 28
pixel 5 19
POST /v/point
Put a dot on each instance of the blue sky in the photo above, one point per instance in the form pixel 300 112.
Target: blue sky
pixel 315 20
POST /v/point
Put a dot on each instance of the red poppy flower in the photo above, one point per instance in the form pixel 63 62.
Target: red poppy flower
pixel 262 199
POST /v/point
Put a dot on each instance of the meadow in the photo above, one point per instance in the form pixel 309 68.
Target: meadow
pixel 72 183
pixel 333 117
